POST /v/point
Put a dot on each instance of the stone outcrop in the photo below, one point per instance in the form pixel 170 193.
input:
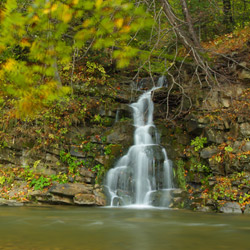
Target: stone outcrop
pixel 71 194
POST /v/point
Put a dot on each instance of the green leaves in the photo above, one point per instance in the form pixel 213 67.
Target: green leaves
pixel 39 39
pixel 198 143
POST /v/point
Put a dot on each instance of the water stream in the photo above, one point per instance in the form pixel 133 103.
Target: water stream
pixel 142 177
pixel 79 228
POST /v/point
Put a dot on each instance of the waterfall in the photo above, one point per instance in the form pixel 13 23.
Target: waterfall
pixel 142 177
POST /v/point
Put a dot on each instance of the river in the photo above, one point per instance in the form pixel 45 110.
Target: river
pixel 83 228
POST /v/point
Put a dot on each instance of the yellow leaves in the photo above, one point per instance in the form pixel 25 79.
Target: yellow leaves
pixel 75 2
pixel 27 105
pixel 51 9
pixel 119 22
pixel 62 10
pixel 54 7
pixel 1 15
pixel 9 65
pixel 86 23
pixel 35 19
pixel 46 11
pixel 126 29
pixel 98 3
pixel 66 14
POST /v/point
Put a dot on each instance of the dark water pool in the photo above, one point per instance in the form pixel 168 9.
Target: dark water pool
pixel 107 229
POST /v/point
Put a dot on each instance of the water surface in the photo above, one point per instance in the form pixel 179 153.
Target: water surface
pixel 74 228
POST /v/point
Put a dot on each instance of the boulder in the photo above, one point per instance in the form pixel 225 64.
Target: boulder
pixel 244 75
pixel 208 152
pixel 178 192
pixel 245 129
pixel 215 136
pixel 51 158
pixel 85 199
pixel 100 199
pixel 10 203
pixel 162 198
pixel 40 196
pixel 205 209
pixel 231 207
pixel 70 189
pixel 247 209
pixel 246 147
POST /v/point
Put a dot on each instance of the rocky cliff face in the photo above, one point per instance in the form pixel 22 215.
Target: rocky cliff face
pixel 209 145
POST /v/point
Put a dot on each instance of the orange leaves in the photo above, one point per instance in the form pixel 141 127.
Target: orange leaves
pixel 25 43
pixel 229 42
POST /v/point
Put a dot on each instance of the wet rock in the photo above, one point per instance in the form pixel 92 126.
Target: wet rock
pixel 147 83
pixel 231 207
pixel 178 192
pixel 162 198
pixel 125 200
pixel 121 133
pixel 100 199
pixel 71 189
pixel 84 199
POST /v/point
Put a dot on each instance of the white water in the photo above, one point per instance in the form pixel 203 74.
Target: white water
pixel 145 170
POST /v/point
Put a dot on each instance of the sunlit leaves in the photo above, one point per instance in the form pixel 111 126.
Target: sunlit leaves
pixel 45 34
pixel 98 3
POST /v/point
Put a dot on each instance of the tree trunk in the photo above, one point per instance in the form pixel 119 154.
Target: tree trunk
pixel 189 22
pixel 189 41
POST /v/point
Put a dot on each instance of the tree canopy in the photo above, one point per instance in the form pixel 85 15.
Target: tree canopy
pixel 39 38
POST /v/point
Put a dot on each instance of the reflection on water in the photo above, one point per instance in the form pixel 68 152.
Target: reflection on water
pixel 75 228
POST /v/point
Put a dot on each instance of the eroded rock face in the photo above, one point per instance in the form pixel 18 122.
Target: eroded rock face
pixel 70 189
pixel 10 203
pixel 85 199
pixel 71 194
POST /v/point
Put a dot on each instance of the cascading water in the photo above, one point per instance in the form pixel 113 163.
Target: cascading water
pixel 142 177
